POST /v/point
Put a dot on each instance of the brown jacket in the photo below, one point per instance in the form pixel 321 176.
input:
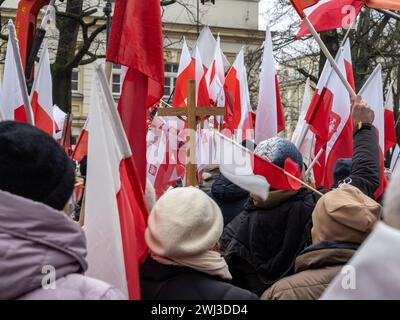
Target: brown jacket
pixel 315 268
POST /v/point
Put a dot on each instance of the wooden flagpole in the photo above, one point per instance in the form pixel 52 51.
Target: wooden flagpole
pixel 328 55
pixel 303 183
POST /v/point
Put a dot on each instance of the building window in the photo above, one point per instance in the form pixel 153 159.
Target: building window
pixel 75 80
pixel 171 72
pixel 116 81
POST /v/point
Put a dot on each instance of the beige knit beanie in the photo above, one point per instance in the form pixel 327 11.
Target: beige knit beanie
pixel 345 214
pixel 185 222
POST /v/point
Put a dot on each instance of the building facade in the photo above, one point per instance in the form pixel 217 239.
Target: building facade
pixel 236 21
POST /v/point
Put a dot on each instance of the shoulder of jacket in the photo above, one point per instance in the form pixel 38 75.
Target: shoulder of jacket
pixel 90 288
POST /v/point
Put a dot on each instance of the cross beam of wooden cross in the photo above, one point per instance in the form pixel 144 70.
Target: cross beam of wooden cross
pixel 192 113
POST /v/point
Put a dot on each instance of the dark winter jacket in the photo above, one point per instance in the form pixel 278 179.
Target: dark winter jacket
pixel 315 269
pixel 162 282
pixel 260 245
pixel 229 197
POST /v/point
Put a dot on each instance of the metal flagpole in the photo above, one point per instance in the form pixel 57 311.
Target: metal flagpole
pixel 20 72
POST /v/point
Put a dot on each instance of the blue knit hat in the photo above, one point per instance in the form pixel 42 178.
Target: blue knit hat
pixel 277 150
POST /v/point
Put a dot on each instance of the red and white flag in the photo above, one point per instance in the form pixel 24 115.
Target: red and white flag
pixel 252 172
pixel 303 138
pixel 81 147
pixel 390 126
pixel 163 147
pixel 372 94
pixel 216 77
pixel 237 97
pixel 270 118
pixel 329 117
pixel 59 117
pixel 42 96
pixel 206 44
pixel 136 42
pixel 329 14
pixel 115 210
pixel 11 101
pixel 202 98
pixel 186 72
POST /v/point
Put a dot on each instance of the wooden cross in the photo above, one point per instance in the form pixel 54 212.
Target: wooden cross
pixel 193 114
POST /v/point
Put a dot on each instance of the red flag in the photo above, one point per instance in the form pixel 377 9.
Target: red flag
pixel 383 4
pixel 390 126
pixel 331 14
pixel 136 42
pixel 81 147
pixel 300 5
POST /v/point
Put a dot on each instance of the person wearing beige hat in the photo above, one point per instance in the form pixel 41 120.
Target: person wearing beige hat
pixel 183 231
pixel 342 220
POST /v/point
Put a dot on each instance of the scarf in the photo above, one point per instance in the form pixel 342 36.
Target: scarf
pixel 210 262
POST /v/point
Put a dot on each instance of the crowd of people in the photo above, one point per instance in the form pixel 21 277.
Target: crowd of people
pixel 221 243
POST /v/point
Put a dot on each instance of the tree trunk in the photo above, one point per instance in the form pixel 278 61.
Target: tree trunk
pixel 331 40
pixel 62 67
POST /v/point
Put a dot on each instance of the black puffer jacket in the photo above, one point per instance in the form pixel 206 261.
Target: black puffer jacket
pixel 261 244
pixel 161 282
pixel 229 197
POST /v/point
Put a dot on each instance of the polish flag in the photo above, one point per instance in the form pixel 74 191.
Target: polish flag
pixel 237 97
pixel 11 101
pixel 303 138
pixel 115 212
pixel 329 117
pixel 390 126
pixel 202 99
pixel 81 147
pixel 59 117
pixel 372 94
pixel 163 142
pixel 270 119
pixel 252 172
pixel 206 44
pixel 215 77
pixel 330 14
pixel 186 72
pixel 41 95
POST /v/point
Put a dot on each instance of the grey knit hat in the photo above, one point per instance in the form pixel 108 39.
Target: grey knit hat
pixel 277 150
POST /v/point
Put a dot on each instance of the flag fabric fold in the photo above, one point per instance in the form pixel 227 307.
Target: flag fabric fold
pixel 115 211
pixel 250 171
pixel 330 14
pixel 390 126
pixel 136 42
pixel 270 118
pixel 42 95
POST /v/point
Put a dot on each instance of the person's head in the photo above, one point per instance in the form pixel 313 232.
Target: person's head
pixel 34 166
pixel 277 150
pixel 342 170
pixel 184 223
pixel 391 212
pixel 345 214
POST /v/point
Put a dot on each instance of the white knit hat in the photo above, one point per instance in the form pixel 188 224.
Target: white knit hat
pixel 185 222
